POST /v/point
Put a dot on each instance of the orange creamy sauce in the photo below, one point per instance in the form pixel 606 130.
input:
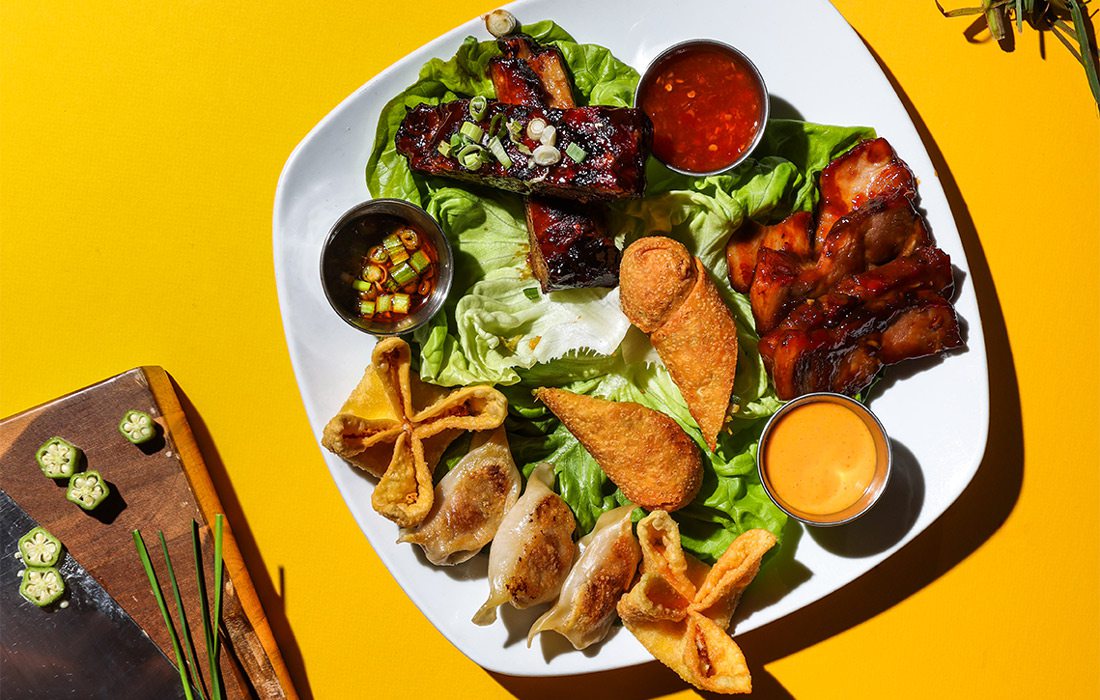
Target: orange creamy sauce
pixel 820 458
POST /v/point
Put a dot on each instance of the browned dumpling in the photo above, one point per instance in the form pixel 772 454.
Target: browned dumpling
pixel 470 502
pixel 533 550
pixel 604 571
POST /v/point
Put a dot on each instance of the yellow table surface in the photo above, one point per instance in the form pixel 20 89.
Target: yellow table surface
pixel 140 145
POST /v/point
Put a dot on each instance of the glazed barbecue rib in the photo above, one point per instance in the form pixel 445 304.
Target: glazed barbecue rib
pixel 569 243
pixel 615 141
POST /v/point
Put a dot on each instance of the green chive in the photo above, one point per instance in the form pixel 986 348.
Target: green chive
pixel 575 152
pixel 215 670
pixel 189 647
pixel 204 607
pixel 143 554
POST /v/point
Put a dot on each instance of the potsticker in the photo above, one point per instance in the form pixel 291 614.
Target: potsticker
pixel 644 452
pixel 470 502
pixel 604 571
pixel 396 428
pixel 668 294
pixel 533 549
pixel 680 615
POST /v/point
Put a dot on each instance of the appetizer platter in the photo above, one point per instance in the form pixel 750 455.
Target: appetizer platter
pixel 566 325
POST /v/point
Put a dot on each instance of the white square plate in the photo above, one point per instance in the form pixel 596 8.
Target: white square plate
pixel 812 60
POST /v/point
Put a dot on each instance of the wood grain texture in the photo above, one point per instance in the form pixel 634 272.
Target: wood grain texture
pixel 160 486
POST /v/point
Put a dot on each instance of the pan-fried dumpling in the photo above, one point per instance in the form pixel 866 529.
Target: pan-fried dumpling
pixel 603 573
pixel 533 549
pixel 470 502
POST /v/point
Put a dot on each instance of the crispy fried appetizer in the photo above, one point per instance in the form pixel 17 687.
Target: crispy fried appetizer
pixel 603 573
pixel 533 550
pixel 396 428
pixel 644 452
pixel 666 293
pixel 680 611
pixel 470 502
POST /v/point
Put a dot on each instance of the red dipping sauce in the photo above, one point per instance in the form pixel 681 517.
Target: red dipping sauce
pixel 708 105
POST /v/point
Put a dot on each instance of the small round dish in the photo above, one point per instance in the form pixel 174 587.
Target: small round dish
pixel 347 245
pixel 824 459
pixel 708 104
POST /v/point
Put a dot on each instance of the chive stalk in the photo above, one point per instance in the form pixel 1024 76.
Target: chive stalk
pixel 143 554
pixel 189 646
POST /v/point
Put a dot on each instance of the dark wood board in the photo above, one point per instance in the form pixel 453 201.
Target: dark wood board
pixel 160 486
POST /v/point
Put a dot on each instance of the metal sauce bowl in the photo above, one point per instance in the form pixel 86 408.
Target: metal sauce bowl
pixel 655 67
pixel 346 247
pixel 883 460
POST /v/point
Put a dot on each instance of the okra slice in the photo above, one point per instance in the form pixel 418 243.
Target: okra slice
pixel 41 585
pixel 58 458
pixel 87 489
pixel 137 426
pixel 39 548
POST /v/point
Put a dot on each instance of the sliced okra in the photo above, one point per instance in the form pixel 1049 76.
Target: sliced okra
pixel 137 426
pixel 39 548
pixel 58 458
pixel 87 489
pixel 41 585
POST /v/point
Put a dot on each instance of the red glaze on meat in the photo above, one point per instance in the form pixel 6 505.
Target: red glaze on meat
pixel 874 234
pixel 870 170
pixel 570 246
pixel 615 139
pixel 529 74
pixel 791 235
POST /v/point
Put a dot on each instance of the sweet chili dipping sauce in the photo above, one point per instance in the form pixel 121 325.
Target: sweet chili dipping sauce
pixel 708 106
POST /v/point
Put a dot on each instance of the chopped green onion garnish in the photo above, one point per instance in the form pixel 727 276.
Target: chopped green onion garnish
pixel 361 285
pixel 575 152
pixel 385 304
pixel 531 293
pixel 535 128
pixel 456 141
pixel 471 131
pixel 401 303
pixel 467 149
pixel 403 274
pixel 389 285
pixel 444 149
pixel 494 124
pixel 515 130
pixel 472 161
pixel 392 243
pixel 366 308
pixel 478 105
pixel 420 261
pixel 497 149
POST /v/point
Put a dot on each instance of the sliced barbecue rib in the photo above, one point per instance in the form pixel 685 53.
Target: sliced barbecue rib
pixel 569 243
pixel 791 235
pixel 615 140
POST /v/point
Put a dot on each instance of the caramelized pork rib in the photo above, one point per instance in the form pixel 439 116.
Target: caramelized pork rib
pixel 615 140
pixel 570 246
pixel 876 233
pixel 870 170
pixel 529 74
pixel 791 235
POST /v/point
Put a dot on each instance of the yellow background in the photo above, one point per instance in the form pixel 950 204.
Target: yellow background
pixel 140 145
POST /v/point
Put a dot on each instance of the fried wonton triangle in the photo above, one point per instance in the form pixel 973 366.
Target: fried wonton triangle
pixel 396 428
pixel 680 614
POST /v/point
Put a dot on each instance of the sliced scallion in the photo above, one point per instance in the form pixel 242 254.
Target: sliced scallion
pixel 549 136
pixel 366 308
pixel 535 128
pixel 531 293
pixel 575 152
pixel 472 161
pixel 420 261
pixel 546 155
pixel 444 149
pixel 497 149
pixel 478 105
pixel 494 124
pixel 403 274
pixel 401 303
pixel 472 131
pixel 384 304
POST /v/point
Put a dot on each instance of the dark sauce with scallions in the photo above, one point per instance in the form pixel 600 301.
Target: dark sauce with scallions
pixel 397 275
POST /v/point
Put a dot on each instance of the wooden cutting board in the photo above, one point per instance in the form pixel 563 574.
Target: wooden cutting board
pixel 162 485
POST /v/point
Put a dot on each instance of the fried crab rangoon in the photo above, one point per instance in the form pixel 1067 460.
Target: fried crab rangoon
pixel 680 611
pixel 396 427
